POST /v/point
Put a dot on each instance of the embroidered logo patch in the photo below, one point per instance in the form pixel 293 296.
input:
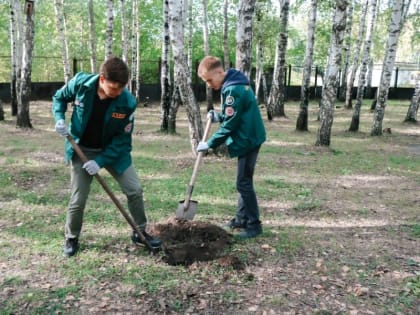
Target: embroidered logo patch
pixel 229 111
pixel 118 115
pixel 78 103
pixel 230 100
pixel 128 128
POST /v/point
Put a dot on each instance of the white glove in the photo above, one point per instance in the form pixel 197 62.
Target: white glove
pixel 61 128
pixel 213 115
pixel 91 167
pixel 202 146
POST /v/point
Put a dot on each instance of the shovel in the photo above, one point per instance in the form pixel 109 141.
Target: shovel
pixel 102 182
pixel 187 208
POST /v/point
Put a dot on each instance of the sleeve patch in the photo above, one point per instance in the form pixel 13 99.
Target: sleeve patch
pixel 128 128
pixel 229 111
pixel 230 100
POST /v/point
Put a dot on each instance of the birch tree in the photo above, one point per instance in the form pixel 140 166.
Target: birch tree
pixel 226 34
pixel 61 29
pixel 181 71
pixel 414 105
pixel 346 52
pixel 135 51
pixel 209 91
pixel 398 15
pixel 109 27
pixel 276 98
pixel 189 3
pixel 356 56
pixel 92 38
pixel 260 79
pixel 302 120
pixel 15 52
pixel 329 90
pixel 244 36
pixel 124 31
pixel 24 89
pixel 165 80
pixel 354 126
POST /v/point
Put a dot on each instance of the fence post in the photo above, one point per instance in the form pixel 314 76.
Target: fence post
pixel 74 66
pixel 290 75
pixel 396 78
pixel 316 80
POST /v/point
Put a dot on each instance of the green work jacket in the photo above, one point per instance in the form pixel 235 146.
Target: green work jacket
pixel 118 125
pixel 242 127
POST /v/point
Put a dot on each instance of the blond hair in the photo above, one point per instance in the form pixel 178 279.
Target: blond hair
pixel 209 63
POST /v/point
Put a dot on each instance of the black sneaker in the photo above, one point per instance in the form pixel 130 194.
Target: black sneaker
pixel 250 232
pixel 153 241
pixel 71 247
pixel 233 224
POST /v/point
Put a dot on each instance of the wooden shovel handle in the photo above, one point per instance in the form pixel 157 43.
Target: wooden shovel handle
pixel 196 164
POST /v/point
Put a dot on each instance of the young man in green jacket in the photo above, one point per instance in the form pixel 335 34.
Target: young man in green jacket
pixel 242 129
pixel 101 123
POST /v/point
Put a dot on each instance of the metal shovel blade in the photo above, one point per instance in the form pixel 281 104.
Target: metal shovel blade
pixel 186 213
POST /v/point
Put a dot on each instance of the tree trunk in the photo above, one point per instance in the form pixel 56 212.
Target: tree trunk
pixel 226 34
pixel 399 12
pixel 24 91
pixel 346 53
pixel 209 91
pixel 124 33
pixel 190 36
pixel 354 126
pixel 329 90
pixel 165 80
pixel 355 63
pixel 369 76
pixel 176 29
pixel 302 120
pixel 109 27
pixel 244 36
pixel 16 34
pixel 276 99
pixel 92 38
pixel 61 28
pixel 414 105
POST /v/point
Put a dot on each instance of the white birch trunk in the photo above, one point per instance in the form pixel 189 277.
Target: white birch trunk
pixel 329 91
pixel 244 36
pixel 346 52
pixel 302 120
pixel 414 105
pixel 124 32
pixel 92 38
pixel 165 80
pixel 356 56
pixel 24 91
pixel 209 91
pixel 354 125
pixel 61 28
pixel 181 71
pixel 16 52
pixel 226 34
pixel 134 48
pixel 399 12
pixel 275 105
pixel 190 36
pixel 109 27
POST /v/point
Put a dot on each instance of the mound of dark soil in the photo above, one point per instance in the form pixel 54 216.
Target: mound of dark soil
pixel 185 242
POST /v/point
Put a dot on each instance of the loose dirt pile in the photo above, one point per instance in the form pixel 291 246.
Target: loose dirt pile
pixel 185 242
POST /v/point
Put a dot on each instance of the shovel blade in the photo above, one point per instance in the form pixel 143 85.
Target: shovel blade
pixel 186 213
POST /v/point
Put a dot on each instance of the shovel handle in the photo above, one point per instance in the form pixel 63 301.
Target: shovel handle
pixel 104 185
pixel 196 164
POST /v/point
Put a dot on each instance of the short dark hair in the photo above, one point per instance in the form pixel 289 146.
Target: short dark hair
pixel 114 69
pixel 209 63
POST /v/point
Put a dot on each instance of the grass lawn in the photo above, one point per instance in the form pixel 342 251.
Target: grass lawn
pixel 341 224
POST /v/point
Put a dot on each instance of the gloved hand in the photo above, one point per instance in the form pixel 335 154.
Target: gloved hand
pixel 91 167
pixel 61 128
pixel 202 146
pixel 213 115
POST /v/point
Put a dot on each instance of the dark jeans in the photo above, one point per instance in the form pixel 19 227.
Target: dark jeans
pixel 247 211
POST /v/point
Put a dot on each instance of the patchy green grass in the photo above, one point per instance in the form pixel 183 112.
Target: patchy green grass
pixel 341 224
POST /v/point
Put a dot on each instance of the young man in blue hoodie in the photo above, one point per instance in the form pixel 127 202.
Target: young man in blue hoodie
pixel 242 129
